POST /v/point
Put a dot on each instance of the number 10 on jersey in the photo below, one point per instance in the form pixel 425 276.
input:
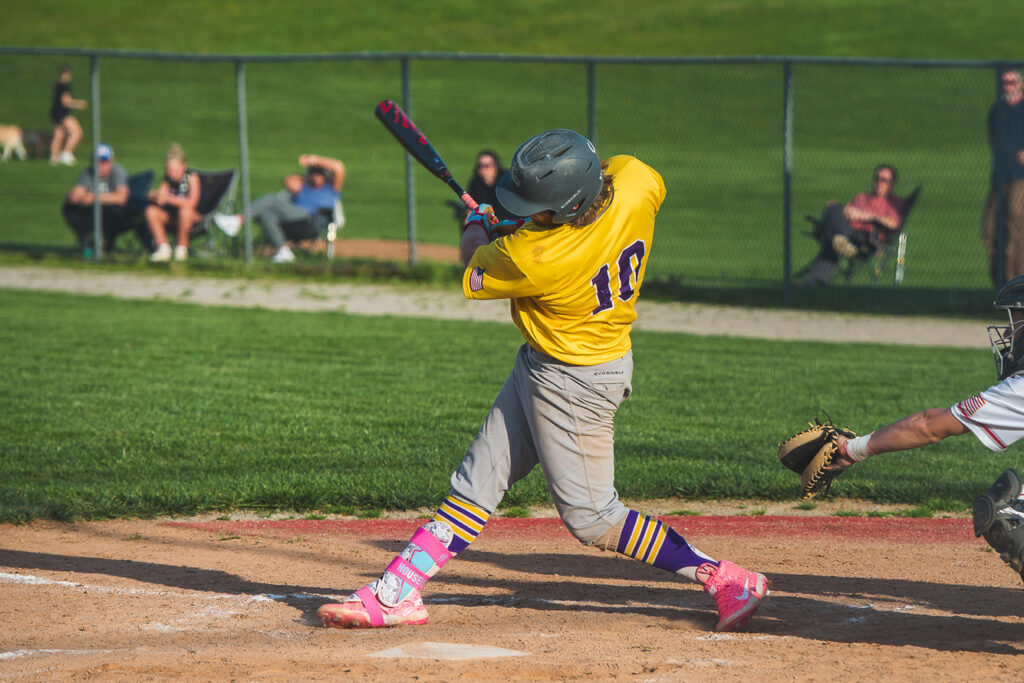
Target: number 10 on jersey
pixel 629 262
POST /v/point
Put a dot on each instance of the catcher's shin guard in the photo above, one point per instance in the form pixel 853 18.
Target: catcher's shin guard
pixel 998 515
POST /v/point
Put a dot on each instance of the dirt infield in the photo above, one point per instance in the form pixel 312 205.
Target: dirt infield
pixel 860 598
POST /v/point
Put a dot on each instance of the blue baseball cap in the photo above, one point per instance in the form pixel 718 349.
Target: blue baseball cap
pixel 104 152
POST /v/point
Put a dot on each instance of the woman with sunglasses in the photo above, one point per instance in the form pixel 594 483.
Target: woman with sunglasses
pixel 861 225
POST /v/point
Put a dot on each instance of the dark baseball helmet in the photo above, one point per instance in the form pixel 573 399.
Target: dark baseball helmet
pixel 1007 346
pixel 558 170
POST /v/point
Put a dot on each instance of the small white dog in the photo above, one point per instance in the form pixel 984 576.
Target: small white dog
pixel 11 141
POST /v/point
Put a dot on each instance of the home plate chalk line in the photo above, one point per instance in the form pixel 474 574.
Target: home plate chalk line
pixel 445 651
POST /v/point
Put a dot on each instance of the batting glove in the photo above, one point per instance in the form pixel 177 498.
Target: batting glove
pixel 483 216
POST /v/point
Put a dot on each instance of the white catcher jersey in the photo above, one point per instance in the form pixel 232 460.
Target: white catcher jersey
pixel 996 415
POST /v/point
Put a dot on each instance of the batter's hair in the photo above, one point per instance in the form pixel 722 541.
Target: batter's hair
pixel 63 69
pixel 603 197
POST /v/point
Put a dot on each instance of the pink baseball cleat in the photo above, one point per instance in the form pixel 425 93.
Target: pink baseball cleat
pixel 362 609
pixel 737 593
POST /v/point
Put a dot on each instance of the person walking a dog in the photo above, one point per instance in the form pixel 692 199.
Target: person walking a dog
pixel 67 132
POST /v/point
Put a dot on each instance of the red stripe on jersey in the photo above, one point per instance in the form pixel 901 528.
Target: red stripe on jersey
pixel 996 439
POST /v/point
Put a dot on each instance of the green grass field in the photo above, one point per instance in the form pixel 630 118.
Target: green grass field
pixel 118 408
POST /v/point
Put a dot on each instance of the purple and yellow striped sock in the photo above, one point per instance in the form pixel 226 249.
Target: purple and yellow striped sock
pixel 465 519
pixel 652 541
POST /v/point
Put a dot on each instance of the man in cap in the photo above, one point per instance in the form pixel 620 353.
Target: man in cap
pixel 110 183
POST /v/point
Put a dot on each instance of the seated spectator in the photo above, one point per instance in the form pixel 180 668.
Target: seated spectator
pixel 291 213
pixel 113 194
pixel 481 187
pixel 862 225
pixel 173 203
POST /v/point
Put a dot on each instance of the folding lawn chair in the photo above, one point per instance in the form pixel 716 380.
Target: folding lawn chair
pixel 216 195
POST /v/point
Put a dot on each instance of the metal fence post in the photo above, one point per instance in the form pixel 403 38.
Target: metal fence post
pixel 787 182
pixel 243 157
pixel 410 187
pixel 97 207
pixel 591 103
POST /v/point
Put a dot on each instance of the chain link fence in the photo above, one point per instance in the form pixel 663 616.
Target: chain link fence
pixel 747 146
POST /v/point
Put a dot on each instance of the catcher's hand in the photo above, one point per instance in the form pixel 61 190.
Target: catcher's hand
pixel 810 453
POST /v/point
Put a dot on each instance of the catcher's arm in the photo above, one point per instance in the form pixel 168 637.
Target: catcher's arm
pixel 913 431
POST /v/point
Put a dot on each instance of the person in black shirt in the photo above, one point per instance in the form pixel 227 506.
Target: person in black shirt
pixel 481 187
pixel 67 132
pixel 174 202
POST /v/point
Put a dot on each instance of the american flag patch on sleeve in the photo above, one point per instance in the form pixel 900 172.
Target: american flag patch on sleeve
pixel 476 279
pixel 972 405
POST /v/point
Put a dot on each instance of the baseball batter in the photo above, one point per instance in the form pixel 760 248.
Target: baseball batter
pixel 573 275
pixel 995 416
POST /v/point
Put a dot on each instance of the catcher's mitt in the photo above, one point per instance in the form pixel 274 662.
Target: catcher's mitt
pixel 809 454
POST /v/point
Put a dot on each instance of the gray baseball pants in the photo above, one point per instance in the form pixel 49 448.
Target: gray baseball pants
pixel 561 416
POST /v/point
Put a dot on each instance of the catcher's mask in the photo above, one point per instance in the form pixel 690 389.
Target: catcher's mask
pixel 1007 345
pixel 558 171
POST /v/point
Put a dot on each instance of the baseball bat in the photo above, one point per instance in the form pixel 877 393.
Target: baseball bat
pixel 417 144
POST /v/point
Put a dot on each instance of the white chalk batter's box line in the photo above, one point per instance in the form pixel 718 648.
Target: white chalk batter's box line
pixel 41 581
pixel 263 597
pixel 18 654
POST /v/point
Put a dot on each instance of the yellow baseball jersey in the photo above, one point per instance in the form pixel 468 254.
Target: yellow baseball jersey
pixel 574 290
